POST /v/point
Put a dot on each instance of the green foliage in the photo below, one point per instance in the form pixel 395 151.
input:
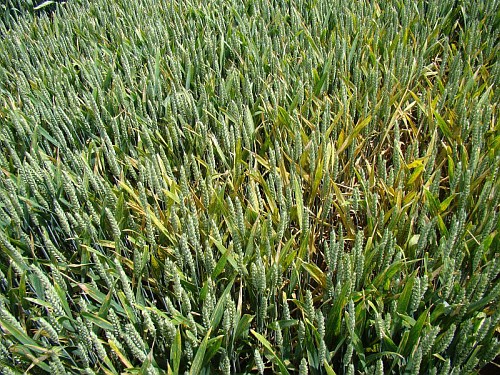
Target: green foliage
pixel 250 186
pixel 12 10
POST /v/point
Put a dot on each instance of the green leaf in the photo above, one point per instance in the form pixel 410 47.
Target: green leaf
pixel 146 363
pixel 404 298
pixel 243 326
pixel 483 302
pixel 375 356
pixel 388 273
pixel 219 308
pixel 225 252
pixel 220 153
pixel 99 297
pixel 432 202
pixel 414 335
pixel 269 348
pixel 47 136
pixel 389 344
pixel 20 336
pixel 287 323
pixel 98 321
pixel 176 352
pixel 127 308
pixel 319 86
pixel 329 370
pixel 213 347
pixel 248 115
pixel 221 263
pixel 103 310
pixel 39 302
pixel 334 319
pixel 189 76
pixel 300 202
pixel 444 204
pixel 443 126
pixel 200 355
pixel 440 309
pixel 63 299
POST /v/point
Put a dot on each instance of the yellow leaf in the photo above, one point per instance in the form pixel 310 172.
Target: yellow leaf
pixel 120 355
pixel 416 163
pixel 418 171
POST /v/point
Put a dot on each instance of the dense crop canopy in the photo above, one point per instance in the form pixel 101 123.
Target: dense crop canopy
pixel 293 186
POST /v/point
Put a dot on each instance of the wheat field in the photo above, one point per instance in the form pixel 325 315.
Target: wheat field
pixel 249 186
